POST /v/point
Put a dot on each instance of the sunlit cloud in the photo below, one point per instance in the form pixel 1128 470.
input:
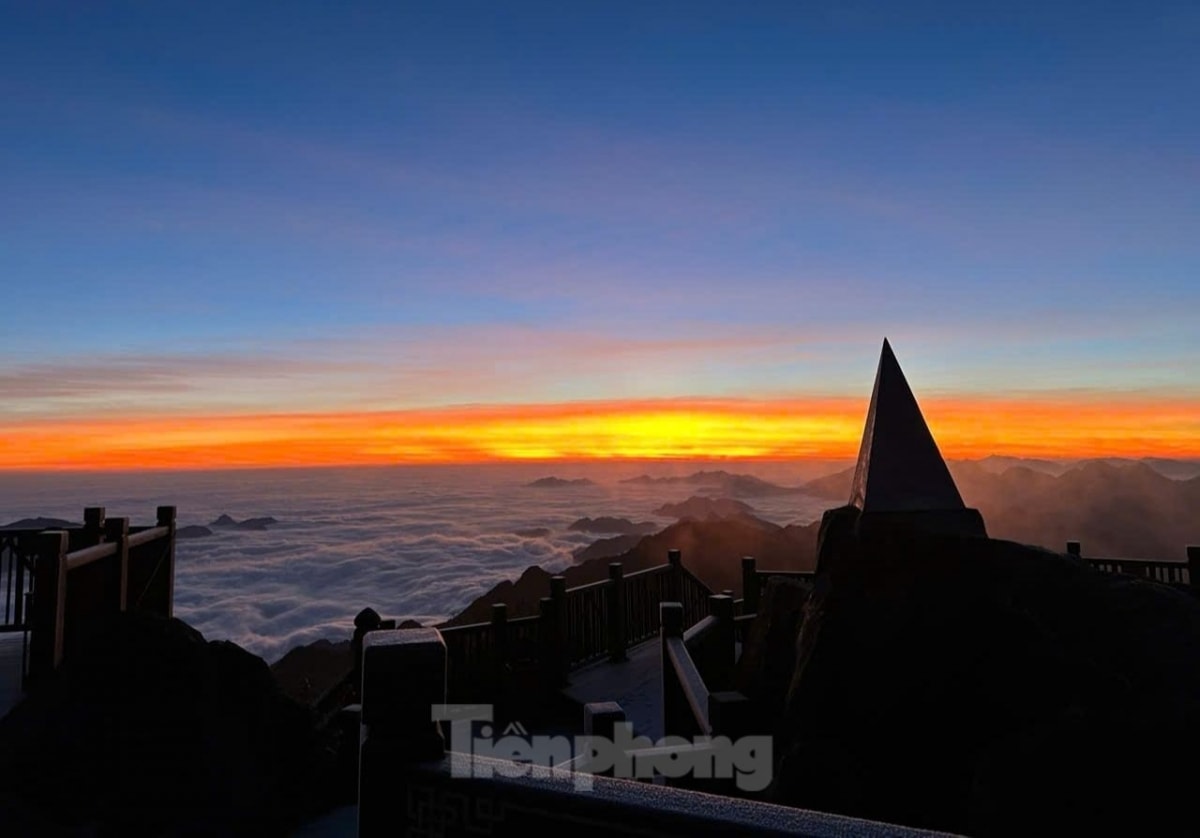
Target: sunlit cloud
pixel 1084 425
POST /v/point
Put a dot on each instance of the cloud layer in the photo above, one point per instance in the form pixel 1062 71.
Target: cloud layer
pixel 415 543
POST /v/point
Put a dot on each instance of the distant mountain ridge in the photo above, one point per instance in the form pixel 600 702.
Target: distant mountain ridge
pixel 558 482
pixel 710 549
pixel 608 525
pixel 1130 510
pixel 699 506
pixel 723 482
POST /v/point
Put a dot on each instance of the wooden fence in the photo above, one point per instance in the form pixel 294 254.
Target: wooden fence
pixel 82 576
pixel 698 699
pixel 1182 574
pixel 573 627
pixel 415 779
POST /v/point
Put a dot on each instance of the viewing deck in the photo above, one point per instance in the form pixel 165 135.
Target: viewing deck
pixel 634 683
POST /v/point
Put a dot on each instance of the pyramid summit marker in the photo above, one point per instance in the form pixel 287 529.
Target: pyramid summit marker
pixel 900 469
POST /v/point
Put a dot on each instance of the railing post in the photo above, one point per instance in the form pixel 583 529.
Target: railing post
pixel 729 593
pixel 403 687
pixel 116 530
pixel 729 714
pixel 558 593
pixel 1193 563
pixel 49 604
pixel 550 649
pixel 616 612
pixel 499 651
pixel 721 656
pixel 600 719
pixel 675 576
pixel 674 702
pixel 749 585
pixel 92 532
pixel 1073 548
pixel 20 550
pixel 166 593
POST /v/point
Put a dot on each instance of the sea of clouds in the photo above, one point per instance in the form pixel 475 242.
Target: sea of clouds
pixel 410 542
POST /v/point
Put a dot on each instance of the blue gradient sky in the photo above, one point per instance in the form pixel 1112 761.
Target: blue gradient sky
pixel 228 206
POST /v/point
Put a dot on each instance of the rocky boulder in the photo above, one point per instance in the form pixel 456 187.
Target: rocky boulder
pixel 151 729
pixel 988 688
pixel 764 670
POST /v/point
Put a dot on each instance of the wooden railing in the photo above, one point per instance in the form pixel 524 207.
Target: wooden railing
pixel 697 673
pixel 82 577
pixel 573 627
pixel 414 778
pixel 17 553
pixel 1182 574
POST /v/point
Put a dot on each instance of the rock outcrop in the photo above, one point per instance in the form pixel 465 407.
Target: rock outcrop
pixel 151 729
pixel 258 524
pixel 768 661
pixel 989 688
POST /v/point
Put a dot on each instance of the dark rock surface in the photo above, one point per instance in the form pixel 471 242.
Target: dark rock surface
pixel 988 688
pixel 150 729
pixel 307 673
pixel 764 671
pixel 193 531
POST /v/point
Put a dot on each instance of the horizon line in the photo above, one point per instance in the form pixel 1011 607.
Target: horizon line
pixel 650 430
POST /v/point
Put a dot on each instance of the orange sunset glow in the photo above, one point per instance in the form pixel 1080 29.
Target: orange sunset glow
pixel 674 429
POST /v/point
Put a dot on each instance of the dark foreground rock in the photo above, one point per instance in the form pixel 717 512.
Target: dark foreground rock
pixel 152 730
pixel 308 673
pixel 988 688
pixel 768 661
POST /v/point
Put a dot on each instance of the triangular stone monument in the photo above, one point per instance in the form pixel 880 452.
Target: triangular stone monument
pixel 900 470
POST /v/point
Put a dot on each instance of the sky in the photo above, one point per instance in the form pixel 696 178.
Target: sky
pixel 369 232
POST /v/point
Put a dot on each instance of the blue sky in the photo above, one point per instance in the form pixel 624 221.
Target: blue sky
pixel 231 207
